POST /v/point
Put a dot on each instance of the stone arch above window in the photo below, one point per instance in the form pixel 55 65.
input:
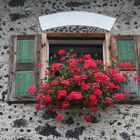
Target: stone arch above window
pixel 76 18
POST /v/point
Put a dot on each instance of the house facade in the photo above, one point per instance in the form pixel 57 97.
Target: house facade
pixel 19 22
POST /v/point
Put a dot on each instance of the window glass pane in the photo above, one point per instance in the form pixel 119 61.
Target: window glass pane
pixel 95 50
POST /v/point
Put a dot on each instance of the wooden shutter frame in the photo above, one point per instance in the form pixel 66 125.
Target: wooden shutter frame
pixel 13 66
pixel 136 38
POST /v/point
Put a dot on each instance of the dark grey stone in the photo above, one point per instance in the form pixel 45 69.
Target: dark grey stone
pixel 112 122
pixel 3 95
pixel 21 130
pixel 102 133
pixel 133 134
pixel 16 16
pixel 105 4
pixel 16 3
pixel 137 2
pixel 20 123
pixel 47 130
pixel 28 130
pixel 1 113
pixel 135 115
pixel 127 23
pixel 125 136
pixel 95 120
pixel 49 114
pixel 75 4
pixel 119 123
pixel 6 75
pixel 5 47
pixel 69 121
pixel 6 129
pixel 9 117
pixel 23 138
pixel 11 29
pixel 75 133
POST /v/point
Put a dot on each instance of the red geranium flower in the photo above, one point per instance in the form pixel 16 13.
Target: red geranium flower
pixel 65 105
pixel 59 117
pixel 109 100
pixel 75 96
pixel 56 66
pixel 61 52
pixel 119 96
pixel 88 119
pixel 125 65
pixel 32 89
pixel 97 92
pixel 136 78
pixel 48 99
pixel 37 107
pixel 64 82
pixel 61 94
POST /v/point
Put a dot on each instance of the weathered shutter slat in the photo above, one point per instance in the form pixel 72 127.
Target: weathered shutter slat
pixel 24 79
pixel 126 51
pixel 25 51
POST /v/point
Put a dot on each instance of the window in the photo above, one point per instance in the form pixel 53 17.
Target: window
pixel 97 44
pixel 27 52
pixel 23 68
pixel 126 48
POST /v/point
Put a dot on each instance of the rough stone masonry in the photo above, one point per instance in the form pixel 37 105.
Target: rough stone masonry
pixel 20 121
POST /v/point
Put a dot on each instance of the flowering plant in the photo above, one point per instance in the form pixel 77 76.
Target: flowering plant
pixel 81 82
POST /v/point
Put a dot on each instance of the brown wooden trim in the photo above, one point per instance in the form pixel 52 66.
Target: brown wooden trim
pixel 24 66
pixel 129 101
pixel 69 35
pixel 113 46
pixel 12 65
pixel 24 37
pixel 123 37
pixel 137 40
pixel 107 48
pixel 44 54
pixel 37 61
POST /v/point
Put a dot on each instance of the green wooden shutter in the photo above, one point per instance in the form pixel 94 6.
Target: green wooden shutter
pixel 23 70
pixel 25 50
pixel 126 51
pixel 24 79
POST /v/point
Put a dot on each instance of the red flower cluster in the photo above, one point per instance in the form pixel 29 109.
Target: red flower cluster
pixel 125 65
pixel 81 82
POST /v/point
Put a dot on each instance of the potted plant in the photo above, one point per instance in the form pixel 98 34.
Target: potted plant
pixel 81 83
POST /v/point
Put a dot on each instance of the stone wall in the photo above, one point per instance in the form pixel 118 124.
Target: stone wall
pixel 20 121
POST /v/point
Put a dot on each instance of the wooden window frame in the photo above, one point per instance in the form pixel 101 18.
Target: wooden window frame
pixel 13 66
pixel 71 35
pixel 136 38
